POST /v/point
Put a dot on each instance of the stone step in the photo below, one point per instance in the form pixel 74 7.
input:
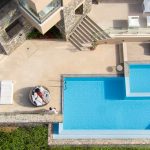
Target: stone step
pixel 90 34
pixel 80 29
pixel 77 32
pixel 76 40
pixel 91 29
pixel 78 43
pixel 75 44
pixel 85 33
pixel 78 37
pixel 93 24
pixel 97 27
pixel 100 35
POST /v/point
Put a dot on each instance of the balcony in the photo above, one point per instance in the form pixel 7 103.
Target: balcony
pixel 41 16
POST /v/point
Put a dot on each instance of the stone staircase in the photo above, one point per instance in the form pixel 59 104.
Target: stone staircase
pixel 86 33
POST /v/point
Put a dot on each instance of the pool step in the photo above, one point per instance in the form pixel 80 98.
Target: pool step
pixel 99 134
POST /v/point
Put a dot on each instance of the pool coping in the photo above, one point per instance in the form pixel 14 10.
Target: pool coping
pixel 127 80
pixel 100 134
pixel 85 142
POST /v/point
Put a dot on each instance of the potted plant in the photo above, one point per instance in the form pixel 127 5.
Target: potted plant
pixel 93 45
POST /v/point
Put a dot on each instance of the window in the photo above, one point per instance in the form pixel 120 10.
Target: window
pixel 13 28
pixel 3 2
pixel 79 10
pixel 43 14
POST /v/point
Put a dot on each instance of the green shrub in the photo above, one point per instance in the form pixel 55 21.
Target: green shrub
pixel 34 34
pixel 101 148
pixel 29 138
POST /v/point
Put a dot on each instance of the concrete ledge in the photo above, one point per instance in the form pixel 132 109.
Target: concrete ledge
pixel 99 142
pixel 125 54
pixel 29 118
pixel 127 81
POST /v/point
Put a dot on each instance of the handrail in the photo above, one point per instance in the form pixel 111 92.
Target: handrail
pixel 127 31
pixel 37 18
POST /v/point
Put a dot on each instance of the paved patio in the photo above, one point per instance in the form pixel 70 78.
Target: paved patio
pixel 138 51
pixel 41 62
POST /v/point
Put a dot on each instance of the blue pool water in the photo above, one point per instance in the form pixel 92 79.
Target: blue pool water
pixel 92 103
pixel 139 76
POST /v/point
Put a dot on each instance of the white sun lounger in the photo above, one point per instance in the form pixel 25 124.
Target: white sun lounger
pixel 146 5
pixel 6 92
pixel 133 21
pixel 148 21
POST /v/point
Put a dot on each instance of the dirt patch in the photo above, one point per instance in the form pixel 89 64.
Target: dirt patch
pixel 7 129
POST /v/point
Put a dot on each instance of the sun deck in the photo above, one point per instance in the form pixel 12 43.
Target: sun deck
pixel 41 62
pixel 138 51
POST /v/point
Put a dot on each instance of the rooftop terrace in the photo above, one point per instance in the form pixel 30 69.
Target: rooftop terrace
pixel 138 51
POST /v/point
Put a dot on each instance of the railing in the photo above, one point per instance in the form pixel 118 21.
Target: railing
pixel 128 31
pixel 45 13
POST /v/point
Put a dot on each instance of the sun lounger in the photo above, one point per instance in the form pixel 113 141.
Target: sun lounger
pixel 133 21
pixel 148 21
pixel 6 92
pixel 146 5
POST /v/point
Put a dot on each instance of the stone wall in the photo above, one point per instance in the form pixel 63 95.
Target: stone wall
pixel 17 39
pixel 9 44
pixel 70 19
pixel 12 13
pixel 60 25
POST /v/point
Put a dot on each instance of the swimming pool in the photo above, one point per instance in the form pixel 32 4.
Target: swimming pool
pixel 138 81
pixel 98 105
pixel 140 78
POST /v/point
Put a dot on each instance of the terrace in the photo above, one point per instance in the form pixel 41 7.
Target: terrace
pixel 112 16
pixel 138 51
pixel 41 62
